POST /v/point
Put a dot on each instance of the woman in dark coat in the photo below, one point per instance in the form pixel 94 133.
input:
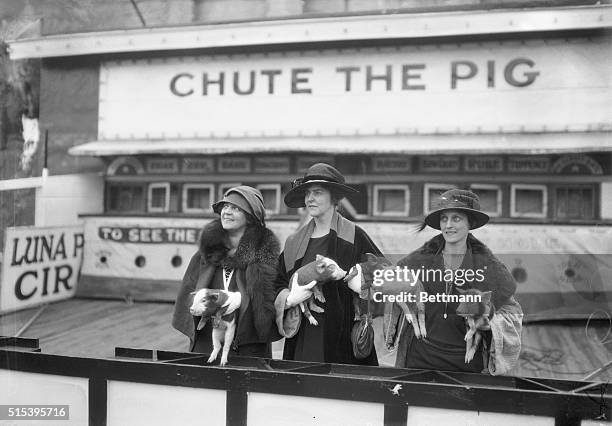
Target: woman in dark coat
pixel 456 249
pixel 331 235
pixel 237 254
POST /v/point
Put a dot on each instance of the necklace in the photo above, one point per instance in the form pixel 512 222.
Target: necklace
pixel 451 262
pixel 227 277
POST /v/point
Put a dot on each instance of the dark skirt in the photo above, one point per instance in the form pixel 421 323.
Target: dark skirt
pixel 425 354
pixel 310 344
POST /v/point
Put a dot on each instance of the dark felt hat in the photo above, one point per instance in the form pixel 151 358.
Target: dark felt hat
pixel 323 174
pixel 458 199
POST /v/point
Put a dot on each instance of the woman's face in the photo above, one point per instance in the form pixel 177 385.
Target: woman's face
pixel 318 200
pixel 454 225
pixel 233 218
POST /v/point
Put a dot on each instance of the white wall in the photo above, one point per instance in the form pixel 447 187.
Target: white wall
pixel 22 388
pixel 273 409
pixel 62 198
pixel 151 405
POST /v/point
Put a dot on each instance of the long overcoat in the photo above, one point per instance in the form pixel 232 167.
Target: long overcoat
pixel 255 265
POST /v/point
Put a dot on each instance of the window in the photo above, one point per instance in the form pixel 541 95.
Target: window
pixel 272 197
pixel 125 197
pixel 431 193
pixel 528 201
pixel 197 198
pixel 574 202
pixel 391 200
pixel 490 198
pixel 158 200
pixel 356 205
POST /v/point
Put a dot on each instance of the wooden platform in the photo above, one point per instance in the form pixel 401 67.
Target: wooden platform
pixel 93 328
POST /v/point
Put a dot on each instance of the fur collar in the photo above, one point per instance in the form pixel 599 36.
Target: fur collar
pixel 435 245
pixel 497 278
pixel 257 245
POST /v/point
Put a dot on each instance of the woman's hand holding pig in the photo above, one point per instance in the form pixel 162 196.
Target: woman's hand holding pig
pixel 298 293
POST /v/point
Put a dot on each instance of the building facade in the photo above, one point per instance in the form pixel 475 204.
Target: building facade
pixel 514 101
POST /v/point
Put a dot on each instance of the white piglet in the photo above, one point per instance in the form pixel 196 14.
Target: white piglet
pixel 209 304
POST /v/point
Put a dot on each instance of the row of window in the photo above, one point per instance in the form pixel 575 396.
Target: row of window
pixel 198 197
pixel 388 200
pixel 195 198
pixel 527 200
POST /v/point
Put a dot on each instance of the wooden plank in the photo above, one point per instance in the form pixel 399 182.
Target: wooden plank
pixel 132 289
pixel 565 350
pixel 18 342
pixel 236 407
pixel 395 415
pixel 97 401
pixel 95 327
pixel 12 322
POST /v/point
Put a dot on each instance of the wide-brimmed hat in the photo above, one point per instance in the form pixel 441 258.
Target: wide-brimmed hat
pixel 247 198
pixel 458 199
pixel 323 174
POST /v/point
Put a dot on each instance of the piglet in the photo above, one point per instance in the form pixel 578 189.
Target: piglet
pixel 321 270
pixel 477 315
pixel 209 304
pixel 401 282
pixel 368 268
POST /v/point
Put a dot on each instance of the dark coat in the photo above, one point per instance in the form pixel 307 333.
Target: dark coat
pixel 347 245
pixel 255 264
pixel 497 279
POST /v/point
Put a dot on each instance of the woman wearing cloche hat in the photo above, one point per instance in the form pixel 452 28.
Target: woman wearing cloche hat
pixel 237 254
pixel 331 235
pixel 451 253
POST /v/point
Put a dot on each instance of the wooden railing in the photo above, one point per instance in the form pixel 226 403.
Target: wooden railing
pixel 144 386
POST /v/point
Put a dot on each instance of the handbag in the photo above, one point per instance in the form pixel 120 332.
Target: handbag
pixel 362 336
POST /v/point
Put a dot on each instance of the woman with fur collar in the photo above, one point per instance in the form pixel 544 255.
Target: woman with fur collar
pixel 455 248
pixel 331 235
pixel 238 254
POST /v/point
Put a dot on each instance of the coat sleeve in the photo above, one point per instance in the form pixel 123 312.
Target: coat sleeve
pixel 393 320
pixel 181 318
pixel 262 295
pixel 287 319
pixel 364 244
pixel 504 285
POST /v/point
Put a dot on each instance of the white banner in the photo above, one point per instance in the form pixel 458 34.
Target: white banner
pixel 508 86
pixel 143 248
pixel 146 248
pixel 40 265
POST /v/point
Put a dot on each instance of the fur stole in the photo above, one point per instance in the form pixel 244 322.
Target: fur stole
pixel 257 245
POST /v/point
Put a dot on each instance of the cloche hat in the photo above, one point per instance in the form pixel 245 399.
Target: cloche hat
pixel 323 174
pixel 458 199
pixel 247 198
